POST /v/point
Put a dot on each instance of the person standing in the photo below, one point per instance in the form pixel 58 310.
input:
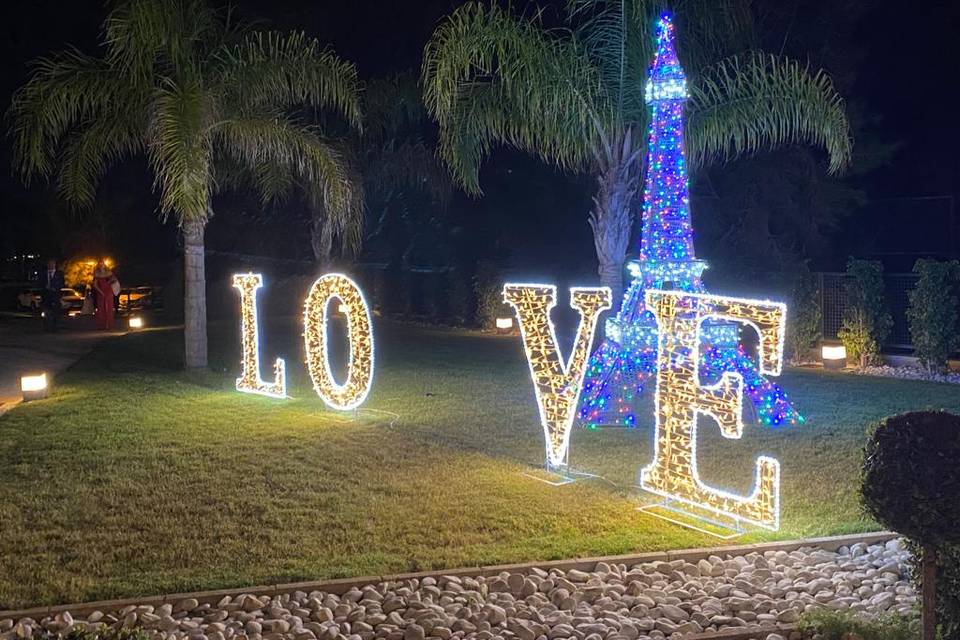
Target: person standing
pixel 103 280
pixel 50 296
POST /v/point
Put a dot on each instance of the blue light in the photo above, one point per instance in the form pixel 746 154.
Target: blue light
pixel 621 366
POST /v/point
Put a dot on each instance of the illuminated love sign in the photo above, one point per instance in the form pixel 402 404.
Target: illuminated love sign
pixel 349 395
pixel 680 396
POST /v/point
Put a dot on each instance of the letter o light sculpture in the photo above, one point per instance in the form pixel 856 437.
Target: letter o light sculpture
pixel 354 391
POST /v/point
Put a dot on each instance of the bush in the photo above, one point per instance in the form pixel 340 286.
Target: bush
pixel 99 632
pixel 866 324
pixel 911 484
pixel 488 288
pixel 911 476
pixel 804 318
pixel 845 624
pixel 458 297
pixel 932 313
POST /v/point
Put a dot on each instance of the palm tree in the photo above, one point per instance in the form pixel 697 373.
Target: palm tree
pixel 394 162
pixel 574 96
pixel 203 97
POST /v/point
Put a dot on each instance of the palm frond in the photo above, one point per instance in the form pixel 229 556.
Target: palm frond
pixel 64 90
pixel 343 224
pixel 180 151
pixel 392 106
pixel 616 35
pixel 143 37
pixel 756 101
pixel 489 77
pixel 270 68
pixel 406 165
pixel 299 150
pixel 89 151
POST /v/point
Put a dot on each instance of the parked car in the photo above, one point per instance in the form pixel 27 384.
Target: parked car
pixel 29 299
pixel 32 299
pixel 139 298
pixel 71 299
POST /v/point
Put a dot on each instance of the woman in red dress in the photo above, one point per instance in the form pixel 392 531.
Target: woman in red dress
pixel 103 280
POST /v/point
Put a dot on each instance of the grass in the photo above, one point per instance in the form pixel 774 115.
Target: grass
pixel 135 478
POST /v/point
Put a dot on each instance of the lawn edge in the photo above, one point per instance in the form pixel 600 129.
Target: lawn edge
pixel 341 585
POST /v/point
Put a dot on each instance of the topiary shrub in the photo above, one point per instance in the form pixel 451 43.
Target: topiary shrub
pixel 932 313
pixel 804 316
pixel 866 323
pixel 911 484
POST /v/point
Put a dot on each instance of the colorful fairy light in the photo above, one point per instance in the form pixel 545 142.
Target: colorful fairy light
pixel 353 392
pixel 619 370
pixel 680 397
pixel 556 385
pixel 249 380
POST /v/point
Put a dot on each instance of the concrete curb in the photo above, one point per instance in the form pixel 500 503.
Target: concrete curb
pixel 340 586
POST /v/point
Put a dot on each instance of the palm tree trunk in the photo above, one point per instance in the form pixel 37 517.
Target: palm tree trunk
pixel 194 296
pixel 612 220
pixel 321 240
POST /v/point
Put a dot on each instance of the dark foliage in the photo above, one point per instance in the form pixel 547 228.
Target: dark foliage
pixel 948 587
pixel 911 476
pixel 843 625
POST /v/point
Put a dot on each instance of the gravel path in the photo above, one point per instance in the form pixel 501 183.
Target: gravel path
pixel 613 602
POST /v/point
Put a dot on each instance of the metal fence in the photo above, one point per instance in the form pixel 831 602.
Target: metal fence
pixel 896 287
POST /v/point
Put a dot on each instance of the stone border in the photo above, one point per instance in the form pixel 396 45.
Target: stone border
pixel 342 585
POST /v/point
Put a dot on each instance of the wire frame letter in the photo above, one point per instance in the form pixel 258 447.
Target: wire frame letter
pixel 680 398
pixel 557 385
pixel 249 380
pixel 353 392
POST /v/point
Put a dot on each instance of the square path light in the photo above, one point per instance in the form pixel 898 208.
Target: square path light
pixel 34 386
pixel 834 356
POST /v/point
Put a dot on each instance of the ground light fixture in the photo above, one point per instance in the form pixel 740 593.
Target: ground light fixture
pixel 33 386
pixel 834 356
pixel 504 325
pixel 135 322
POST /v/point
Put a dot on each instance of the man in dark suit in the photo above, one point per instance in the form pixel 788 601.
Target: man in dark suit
pixel 52 281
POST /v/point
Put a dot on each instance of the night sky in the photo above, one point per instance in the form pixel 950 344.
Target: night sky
pixel 902 77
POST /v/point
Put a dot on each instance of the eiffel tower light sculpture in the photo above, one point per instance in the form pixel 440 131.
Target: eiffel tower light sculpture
pixel 627 359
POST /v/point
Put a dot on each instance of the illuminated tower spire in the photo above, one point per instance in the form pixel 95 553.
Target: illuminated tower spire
pixel 627 358
pixel 666 241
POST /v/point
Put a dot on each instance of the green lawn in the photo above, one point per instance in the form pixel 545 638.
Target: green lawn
pixel 137 479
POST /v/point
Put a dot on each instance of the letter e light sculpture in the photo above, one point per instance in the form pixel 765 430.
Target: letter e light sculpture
pixel 680 398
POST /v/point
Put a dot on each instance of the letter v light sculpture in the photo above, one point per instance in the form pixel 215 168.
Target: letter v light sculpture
pixel 556 385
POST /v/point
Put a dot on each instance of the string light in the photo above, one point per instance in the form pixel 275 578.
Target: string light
pixel 249 380
pixel 556 385
pixel 353 392
pixel 620 369
pixel 681 396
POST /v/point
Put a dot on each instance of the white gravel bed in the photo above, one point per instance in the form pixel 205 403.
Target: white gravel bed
pixel 646 601
pixel 910 373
